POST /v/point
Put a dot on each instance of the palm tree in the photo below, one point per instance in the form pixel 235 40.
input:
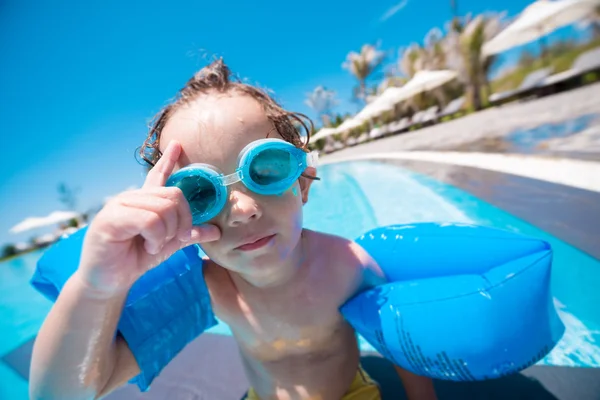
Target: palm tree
pixel 434 52
pixel 323 101
pixel 411 60
pixel 455 23
pixel 362 65
pixel 463 45
pixel 431 56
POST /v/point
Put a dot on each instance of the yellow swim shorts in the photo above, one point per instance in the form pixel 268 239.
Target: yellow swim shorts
pixel 362 388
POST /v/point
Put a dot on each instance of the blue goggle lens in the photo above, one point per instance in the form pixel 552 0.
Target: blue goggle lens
pixel 271 166
pixel 200 193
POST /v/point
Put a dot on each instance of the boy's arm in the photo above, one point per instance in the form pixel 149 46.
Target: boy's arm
pixel 75 355
pixel 416 387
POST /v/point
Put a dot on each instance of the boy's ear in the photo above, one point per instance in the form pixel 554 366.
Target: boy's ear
pixel 306 182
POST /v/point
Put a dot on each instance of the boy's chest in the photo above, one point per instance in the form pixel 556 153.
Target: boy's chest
pixel 271 326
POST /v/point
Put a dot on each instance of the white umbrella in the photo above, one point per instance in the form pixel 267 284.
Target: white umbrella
pixel 322 133
pixel 424 81
pixel 538 20
pixel 349 124
pixel 391 96
pixel 373 109
pixel 38 222
pixel 421 82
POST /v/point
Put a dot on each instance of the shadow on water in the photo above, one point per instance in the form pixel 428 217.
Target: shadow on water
pixel 534 383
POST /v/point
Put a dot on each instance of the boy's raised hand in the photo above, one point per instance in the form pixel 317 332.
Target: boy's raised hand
pixel 137 230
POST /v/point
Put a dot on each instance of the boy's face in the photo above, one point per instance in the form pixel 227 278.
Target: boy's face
pixel 213 130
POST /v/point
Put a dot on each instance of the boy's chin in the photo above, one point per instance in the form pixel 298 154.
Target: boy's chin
pixel 262 261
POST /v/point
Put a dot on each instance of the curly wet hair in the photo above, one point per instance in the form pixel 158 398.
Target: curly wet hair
pixel 217 78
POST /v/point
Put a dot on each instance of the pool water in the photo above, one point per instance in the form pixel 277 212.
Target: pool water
pixel 354 197
pixel 350 199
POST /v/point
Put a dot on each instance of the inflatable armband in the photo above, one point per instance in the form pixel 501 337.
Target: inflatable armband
pixel 462 303
pixel 166 308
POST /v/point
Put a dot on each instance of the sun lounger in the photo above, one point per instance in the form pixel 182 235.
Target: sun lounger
pixel 531 82
pixel 376 132
pixel 396 126
pixel 430 115
pixel 586 62
pixel 417 118
pixel 399 126
pixel 453 107
pixel 328 148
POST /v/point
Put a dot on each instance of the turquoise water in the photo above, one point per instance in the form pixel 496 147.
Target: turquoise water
pixel 355 197
pixel 350 199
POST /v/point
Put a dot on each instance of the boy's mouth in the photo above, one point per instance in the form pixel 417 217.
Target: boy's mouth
pixel 255 243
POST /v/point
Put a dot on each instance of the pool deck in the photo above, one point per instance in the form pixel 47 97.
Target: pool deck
pixel 474 132
pixel 555 186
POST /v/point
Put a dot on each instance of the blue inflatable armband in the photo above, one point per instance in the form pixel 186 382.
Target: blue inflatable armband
pixel 165 309
pixel 462 303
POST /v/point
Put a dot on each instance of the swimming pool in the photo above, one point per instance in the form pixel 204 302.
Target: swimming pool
pixel 350 199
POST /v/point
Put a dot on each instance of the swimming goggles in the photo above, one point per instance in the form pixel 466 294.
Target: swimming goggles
pixel 265 166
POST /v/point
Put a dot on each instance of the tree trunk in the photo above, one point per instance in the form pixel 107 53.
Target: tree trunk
pixel 440 97
pixel 363 90
pixel 487 86
pixel 475 92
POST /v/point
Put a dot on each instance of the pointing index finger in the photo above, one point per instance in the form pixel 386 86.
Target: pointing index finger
pixel 159 174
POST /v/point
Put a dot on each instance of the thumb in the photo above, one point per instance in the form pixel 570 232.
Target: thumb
pixel 204 233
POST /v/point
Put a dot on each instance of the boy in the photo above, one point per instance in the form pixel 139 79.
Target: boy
pixel 278 286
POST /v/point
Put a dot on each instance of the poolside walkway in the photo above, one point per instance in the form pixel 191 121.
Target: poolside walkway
pixel 559 111
pixel 575 173
pixel 555 139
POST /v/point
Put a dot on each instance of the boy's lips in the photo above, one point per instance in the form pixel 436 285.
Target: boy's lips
pixel 255 242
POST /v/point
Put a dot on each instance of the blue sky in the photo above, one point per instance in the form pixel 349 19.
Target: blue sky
pixel 81 80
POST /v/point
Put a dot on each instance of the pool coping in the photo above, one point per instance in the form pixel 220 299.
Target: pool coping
pixel 569 172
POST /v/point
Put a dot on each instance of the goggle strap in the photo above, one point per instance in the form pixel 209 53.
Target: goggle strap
pixel 312 159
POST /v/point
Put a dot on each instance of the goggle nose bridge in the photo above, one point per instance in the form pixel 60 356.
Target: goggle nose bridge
pixel 237 176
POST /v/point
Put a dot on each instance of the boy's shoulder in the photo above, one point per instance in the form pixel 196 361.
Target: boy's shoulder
pixel 337 248
pixel 346 258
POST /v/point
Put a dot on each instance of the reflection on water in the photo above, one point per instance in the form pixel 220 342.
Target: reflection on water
pixel 578 345
pixel 575 137
pixel 532 140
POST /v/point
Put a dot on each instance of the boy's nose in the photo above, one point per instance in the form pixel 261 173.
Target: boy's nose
pixel 243 208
